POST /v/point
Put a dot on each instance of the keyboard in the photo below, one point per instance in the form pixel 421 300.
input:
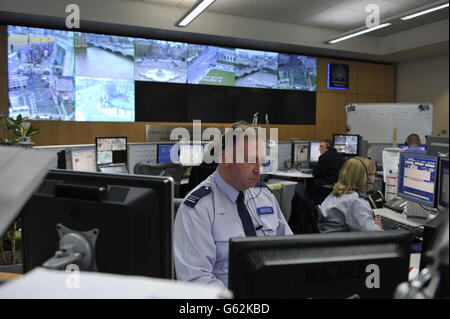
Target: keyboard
pixel 306 170
pixel 390 224
pixel 392 220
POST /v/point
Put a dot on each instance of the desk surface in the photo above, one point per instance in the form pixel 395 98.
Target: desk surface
pixel 291 174
pixel 8 276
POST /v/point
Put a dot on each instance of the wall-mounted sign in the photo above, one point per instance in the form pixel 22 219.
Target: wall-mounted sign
pixel 337 76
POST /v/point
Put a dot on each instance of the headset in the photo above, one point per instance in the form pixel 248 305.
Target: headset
pixel 369 182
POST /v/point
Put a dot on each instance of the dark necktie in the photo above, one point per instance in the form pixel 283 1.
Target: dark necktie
pixel 249 229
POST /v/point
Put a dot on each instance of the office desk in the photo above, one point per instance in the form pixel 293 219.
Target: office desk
pixel 8 276
pixel 291 175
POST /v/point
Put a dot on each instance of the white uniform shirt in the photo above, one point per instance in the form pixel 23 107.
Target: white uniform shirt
pixel 202 232
pixel 348 212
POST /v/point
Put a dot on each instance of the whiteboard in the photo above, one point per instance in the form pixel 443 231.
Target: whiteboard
pixel 376 122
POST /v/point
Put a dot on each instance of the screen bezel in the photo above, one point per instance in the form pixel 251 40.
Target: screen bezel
pixel 358 145
pixel 110 137
pixel 413 199
pixel 440 179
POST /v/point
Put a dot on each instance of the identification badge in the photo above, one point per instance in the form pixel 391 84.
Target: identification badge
pixel 265 210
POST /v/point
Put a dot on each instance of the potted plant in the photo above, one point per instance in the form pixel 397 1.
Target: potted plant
pixel 16 131
pixel 21 129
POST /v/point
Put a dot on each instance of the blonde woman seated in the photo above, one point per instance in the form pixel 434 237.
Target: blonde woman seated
pixel 346 208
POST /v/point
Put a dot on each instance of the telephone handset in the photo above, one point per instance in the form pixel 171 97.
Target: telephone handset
pixel 376 199
pixel 397 204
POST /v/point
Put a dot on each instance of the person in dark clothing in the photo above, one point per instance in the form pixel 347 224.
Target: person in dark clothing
pixel 326 172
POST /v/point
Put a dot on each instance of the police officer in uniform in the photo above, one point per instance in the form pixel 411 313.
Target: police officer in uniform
pixel 347 208
pixel 229 203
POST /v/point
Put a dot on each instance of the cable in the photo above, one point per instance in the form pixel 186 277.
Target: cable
pixel 428 210
pixel 258 221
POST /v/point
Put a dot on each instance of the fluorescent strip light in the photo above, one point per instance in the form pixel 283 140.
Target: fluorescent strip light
pixel 358 33
pixel 198 8
pixel 425 12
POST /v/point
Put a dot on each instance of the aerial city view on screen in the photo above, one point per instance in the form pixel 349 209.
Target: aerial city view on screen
pixel 102 99
pixel 40 73
pixel 105 56
pixel 210 65
pixel 104 82
pixel 296 72
pixel 161 61
pixel 256 69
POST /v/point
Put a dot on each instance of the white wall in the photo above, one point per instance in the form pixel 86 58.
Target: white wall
pixel 426 80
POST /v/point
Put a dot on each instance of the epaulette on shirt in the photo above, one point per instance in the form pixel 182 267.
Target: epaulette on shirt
pixel 262 184
pixel 195 196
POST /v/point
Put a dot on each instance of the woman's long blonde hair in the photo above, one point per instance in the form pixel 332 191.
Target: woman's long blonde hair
pixel 353 176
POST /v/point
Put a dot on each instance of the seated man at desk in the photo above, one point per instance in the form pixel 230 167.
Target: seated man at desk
pixel 347 208
pixel 327 170
pixel 229 203
pixel 413 143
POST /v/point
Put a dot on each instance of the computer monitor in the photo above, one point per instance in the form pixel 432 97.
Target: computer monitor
pixel 346 144
pixel 191 154
pixel 405 147
pixel 300 154
pixel 163 153
pixel 284 155
pixel 332 265
pixel 124 221
pixel 81 159
pixel 437 145
pixel 442 201
pixel 417 178
pixel 314 152
pixel 111 150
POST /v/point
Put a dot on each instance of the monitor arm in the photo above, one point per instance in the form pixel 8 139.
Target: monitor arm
pixel 75 247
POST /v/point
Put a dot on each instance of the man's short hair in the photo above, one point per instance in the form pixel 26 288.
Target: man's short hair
pixel 328 143
pixel 413 139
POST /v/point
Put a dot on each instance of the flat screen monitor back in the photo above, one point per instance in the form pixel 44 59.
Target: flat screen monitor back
pixel 333 265
pixel 134 219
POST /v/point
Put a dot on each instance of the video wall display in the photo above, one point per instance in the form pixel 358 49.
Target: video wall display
pixel 76 76
pixel 256 69
pixel 210 65
pixel 161 61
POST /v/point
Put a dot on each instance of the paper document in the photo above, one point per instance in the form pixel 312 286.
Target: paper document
pixel 391 158
pixel 21 172
pixel 42 283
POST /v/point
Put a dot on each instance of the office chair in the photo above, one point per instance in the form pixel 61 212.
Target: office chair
pixel 174 170
pixel 303 218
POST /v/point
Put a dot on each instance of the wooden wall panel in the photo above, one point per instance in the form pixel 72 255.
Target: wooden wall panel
pixel 331 116
pixel 56 133
pixel 3 49
pixel 3 94
pixel 376 79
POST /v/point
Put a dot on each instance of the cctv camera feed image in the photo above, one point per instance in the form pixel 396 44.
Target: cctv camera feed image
pixel 257 69
pixel 107 147
pixel 160 61
pixel 297 72
pixel 210 65
pixel 104 56
pixel 40 73
pixel 104 99
pixel 346 144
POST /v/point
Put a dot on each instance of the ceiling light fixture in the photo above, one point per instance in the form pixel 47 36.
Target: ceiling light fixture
pixel 355 34
pixel 425 12
pixel 198 8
